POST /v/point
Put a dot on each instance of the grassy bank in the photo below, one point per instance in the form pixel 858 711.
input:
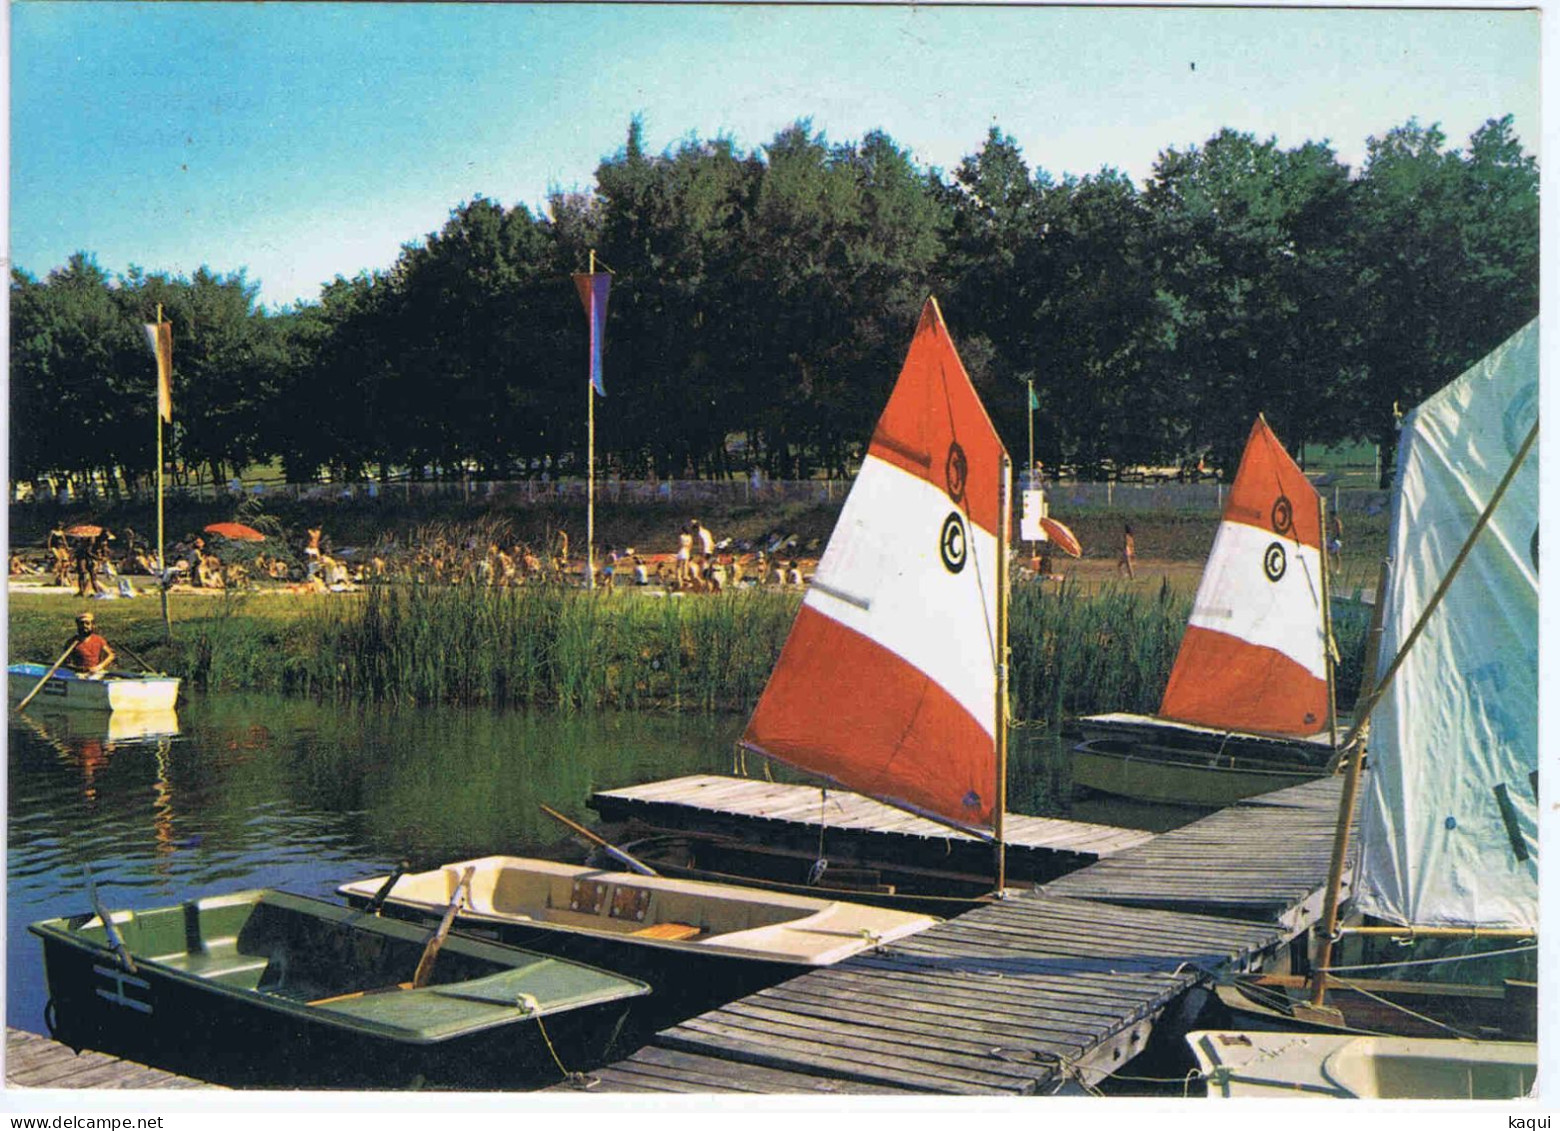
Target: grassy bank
pixel 1075 649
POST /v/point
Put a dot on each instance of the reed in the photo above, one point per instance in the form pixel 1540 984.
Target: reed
pixel 1076 653
pixel 546 645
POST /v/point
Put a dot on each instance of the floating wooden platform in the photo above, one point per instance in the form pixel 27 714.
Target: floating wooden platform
pixel 1044 992
pixel 781 815
pixel 36 1061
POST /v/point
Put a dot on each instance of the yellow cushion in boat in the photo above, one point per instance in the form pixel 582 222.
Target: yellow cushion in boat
pixel 672 931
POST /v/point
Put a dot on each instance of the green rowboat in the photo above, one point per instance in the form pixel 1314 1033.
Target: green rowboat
pixel 268 989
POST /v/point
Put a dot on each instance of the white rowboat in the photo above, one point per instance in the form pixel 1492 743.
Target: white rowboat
pixel 112 691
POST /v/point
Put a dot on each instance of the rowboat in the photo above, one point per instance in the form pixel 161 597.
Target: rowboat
pixel 1177 776
pixel 111 691
pixel 1249 705
pixel 1240 1065
pixel 268 989
pixel 696 943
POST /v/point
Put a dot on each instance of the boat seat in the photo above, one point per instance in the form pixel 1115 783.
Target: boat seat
pixel 231 969
pixel 672 931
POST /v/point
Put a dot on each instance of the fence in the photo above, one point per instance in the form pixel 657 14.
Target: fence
pixel 1062 497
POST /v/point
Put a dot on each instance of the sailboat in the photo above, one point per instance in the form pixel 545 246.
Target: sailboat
pixel 1249 706
pixel 892 682
pixel 1449 816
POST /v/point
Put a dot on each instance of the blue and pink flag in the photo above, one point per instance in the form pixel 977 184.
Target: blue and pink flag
pixel 593 293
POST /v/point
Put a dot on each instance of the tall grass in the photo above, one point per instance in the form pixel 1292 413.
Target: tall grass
pixel 1074 653
pixel 538 645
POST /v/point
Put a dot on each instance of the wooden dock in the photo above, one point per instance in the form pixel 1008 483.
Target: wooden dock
pixel 1264 858
pixel 36 1061
pixel 854 826
pixel 1044 992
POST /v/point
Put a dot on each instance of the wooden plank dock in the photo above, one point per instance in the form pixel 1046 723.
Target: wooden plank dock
pixel 1263 858
pixel 35 1061
pixel 1043 992
pixel 777 814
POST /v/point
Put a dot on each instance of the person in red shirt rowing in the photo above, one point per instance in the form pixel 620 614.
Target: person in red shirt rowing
pixel 90 655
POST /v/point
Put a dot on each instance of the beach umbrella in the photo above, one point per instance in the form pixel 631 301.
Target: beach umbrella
pixel 1062 538
pixel 83 530
pixel 235 532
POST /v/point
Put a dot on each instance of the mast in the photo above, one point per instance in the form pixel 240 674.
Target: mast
pixel 1004 531
pixel 1329 647
pixel 162 567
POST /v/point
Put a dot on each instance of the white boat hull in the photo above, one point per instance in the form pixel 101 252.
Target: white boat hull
pixel 690 917
pixel 114 691
pixel 1311 1065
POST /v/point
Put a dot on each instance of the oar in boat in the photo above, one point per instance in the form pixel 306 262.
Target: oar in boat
pixel 431 951
pixel 612 850
pixel 114 939
pixel 429 955
pixel 377 904
pixel 71 647
pixel 145 667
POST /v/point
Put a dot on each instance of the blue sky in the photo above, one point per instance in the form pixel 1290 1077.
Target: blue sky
pixel 298 142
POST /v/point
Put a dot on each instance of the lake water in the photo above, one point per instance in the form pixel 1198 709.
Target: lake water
pixel 262 791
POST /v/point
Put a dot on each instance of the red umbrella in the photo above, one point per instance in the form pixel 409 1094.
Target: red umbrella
pixel 235 531
pixel 1062 538
pixel 83 530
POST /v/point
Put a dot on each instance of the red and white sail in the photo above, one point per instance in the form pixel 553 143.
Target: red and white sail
pixel 1254 655
pixel 888 682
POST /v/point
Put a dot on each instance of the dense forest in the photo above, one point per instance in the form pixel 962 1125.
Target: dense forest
pixel 770 296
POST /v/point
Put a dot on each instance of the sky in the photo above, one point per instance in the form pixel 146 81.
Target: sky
pixel 298 142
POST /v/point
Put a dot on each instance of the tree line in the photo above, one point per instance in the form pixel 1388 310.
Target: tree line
pixel 769 295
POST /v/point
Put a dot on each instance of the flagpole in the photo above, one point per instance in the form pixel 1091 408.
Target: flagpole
pixel 1030 478
pixel 162 568
pixel 590 457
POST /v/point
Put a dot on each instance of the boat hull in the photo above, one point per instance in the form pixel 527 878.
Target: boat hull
pixel 699 944
pixel 1179 777
pixel 128 692
pixel 1240 1064
pixel 303 994
pixel 1401 1008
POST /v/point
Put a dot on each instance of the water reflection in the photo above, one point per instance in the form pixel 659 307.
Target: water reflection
pixel 246 791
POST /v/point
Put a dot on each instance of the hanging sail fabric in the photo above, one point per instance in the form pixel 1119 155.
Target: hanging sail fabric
pixel 1254 654
pixel 1450 815
pixel 887 684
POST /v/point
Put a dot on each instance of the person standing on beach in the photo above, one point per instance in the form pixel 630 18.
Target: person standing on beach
pixel 1128 553
pixel 684 553
pixel 59 549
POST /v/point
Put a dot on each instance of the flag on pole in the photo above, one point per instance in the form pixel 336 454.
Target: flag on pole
pixel 159 336
pixel 1034 402
pixel 593 293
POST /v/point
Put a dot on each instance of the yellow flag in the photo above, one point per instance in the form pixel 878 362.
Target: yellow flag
pixel 159 336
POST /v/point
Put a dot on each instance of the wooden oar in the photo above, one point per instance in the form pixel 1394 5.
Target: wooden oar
pixel 431 951
pixel 114 938
pixel 613 850
pixel 377 904
pixel 46 675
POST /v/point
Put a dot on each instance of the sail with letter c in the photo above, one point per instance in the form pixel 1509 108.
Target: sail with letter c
pixel 887 684
pixel 1253 658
